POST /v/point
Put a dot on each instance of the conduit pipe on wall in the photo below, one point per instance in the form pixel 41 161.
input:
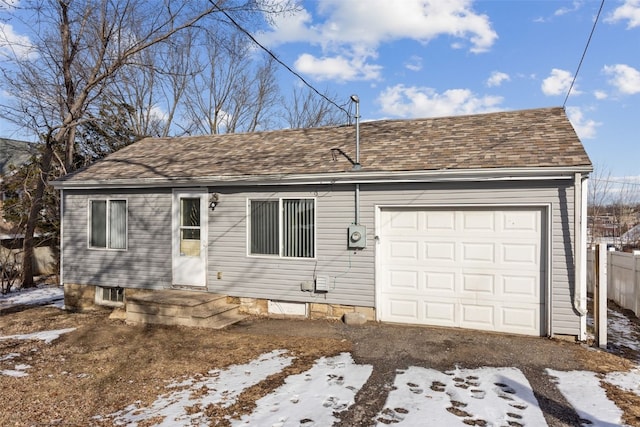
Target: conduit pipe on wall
pixel 356 166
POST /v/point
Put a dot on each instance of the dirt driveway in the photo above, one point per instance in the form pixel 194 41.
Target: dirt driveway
pixel 105 364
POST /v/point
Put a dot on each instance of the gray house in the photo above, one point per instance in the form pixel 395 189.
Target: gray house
pixel 469 221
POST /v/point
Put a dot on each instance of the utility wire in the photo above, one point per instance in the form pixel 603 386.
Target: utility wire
pixel 278 60
pixel 584 53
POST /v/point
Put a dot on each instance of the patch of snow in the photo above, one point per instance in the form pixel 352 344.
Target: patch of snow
pixel 17 371
pixel 186 406
pixel 622 331
pixel 627 381
pixel 9 356
pixel 52 295
pixel 311 398
pixel 497 396
pixel 583 391
pixel 47 336
pixel 14 373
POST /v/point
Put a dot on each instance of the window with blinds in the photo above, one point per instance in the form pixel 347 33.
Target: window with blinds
pixel 108 224
pixel 284 227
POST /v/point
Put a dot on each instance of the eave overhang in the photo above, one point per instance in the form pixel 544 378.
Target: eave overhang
pixel 355 177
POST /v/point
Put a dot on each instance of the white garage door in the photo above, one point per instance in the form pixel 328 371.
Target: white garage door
pixel 473 268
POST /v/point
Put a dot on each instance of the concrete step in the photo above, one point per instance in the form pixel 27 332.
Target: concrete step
pixel 199 309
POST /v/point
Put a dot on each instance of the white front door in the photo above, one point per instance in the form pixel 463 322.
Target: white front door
pixel 189 251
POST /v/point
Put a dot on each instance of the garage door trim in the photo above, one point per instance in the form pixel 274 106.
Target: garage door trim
pixel 545 233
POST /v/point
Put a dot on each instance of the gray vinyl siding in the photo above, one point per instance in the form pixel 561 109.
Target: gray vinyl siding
pixel 146 261
pixel 352 273
pixel 231 271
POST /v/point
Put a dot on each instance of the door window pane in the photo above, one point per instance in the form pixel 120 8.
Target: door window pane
pixel 190 226
pixel 190 212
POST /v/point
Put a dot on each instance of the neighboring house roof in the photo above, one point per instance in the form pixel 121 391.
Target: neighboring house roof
pixel 633 235
pixel 14 153
pixel 514 140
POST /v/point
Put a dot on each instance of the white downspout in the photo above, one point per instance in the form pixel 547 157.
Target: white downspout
pixel 579 296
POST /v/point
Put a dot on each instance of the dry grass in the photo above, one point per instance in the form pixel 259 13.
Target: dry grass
pixel 106 365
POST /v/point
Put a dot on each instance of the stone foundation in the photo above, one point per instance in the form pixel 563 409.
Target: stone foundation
pixel 259 307
pixel 79 297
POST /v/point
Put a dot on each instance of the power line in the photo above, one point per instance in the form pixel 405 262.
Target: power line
pixel 584 53
pixel 614 181
pixel 278 60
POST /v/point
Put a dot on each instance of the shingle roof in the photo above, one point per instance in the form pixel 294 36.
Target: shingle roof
pixel 515 139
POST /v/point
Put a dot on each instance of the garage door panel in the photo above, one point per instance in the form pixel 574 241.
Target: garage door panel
pixel 525 319
pixel 438 282
pixel 439 220
pixel 404 310
pixel 440 251
pixel 478 283
pixel 521 221
pixel 403 280
pixel 527 287
pixel 478 252
pixel 521 253
pixel 403 220
pixel 480 269
pixel 478 220
pixel 440 313
pixel 477 316
pixel 403 250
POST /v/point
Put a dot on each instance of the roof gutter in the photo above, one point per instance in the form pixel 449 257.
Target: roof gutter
pixel 359 177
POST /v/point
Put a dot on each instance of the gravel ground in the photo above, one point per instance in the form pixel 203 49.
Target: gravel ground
pixel 105 364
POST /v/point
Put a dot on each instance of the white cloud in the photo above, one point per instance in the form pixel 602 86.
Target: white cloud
pixel 600 94
pixel 14 45
pixel 629 11
pixel 412 101
pixel 414 63
pixel 337 68
pixel 585 128
pixel 497 78
pixel 351 28
pixel 558 83
pixel 576 5
pixel 625 78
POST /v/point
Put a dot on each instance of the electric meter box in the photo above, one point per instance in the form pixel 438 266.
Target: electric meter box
pixel 357 236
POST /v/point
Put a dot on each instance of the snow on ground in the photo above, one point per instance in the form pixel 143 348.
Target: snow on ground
pixel 312 397
pixel 484 396
pixel 186 405
pixel 621 332
pixel 44 295
pixel 498 396
pixel 583 391
pixel 47 336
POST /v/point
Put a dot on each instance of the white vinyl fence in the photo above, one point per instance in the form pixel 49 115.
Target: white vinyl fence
pixel 623 278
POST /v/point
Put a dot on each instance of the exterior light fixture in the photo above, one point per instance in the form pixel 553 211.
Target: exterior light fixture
pixel 213 201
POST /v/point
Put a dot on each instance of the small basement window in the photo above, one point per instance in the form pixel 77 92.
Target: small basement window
pixel 110 296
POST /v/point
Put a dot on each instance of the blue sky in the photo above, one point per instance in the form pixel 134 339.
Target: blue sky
pixel 427 58
pixel 415 58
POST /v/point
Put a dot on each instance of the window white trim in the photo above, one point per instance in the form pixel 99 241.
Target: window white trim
pixel 108 201
pixel 280 231
pixel 100 300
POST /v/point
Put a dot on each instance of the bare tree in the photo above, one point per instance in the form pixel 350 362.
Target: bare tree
pixel 229 93
pixel 598 199
pixel 307 109
pixel 80 49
